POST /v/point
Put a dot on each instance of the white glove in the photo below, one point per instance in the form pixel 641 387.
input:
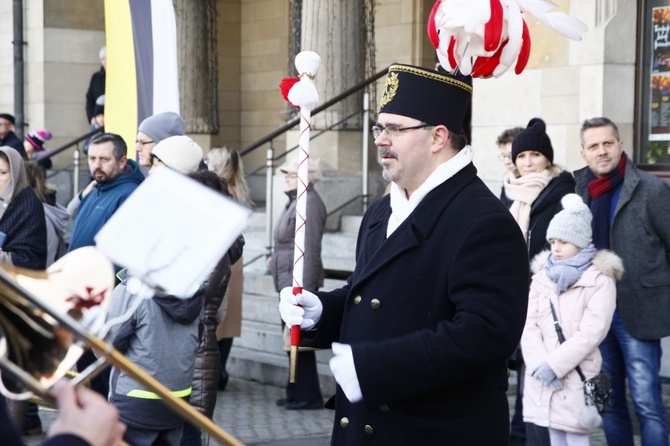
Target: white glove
pixel 344 371
pixel 303 309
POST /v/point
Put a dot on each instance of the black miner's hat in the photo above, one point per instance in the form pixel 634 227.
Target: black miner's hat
pixel 427 95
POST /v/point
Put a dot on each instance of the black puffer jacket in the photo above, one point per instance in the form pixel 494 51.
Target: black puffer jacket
pixel 207 364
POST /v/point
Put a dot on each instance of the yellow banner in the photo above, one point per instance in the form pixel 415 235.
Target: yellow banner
pixel 121 81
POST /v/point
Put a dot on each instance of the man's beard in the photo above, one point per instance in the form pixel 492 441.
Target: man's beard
pixel 102 180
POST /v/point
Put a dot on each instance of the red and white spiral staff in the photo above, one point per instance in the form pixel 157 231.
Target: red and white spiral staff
pixel 301 93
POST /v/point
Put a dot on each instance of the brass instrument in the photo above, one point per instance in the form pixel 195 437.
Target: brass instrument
pixel 39 343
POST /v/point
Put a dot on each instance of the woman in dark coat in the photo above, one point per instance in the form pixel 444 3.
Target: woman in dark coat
pixel 305 393
pixel 207 362
pixel 536 185
pixel 535 188
pixel 24 226
pixel 21 215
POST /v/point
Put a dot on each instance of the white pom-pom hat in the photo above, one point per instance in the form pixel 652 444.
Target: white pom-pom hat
pixel 573 223
pixel 180 153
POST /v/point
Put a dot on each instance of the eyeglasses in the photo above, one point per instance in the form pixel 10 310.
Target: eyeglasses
pixel 142 143
pixel 393 131
pixel 155 161
pixel 503 157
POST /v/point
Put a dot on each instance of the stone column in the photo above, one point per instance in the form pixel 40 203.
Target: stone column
pixel 335 29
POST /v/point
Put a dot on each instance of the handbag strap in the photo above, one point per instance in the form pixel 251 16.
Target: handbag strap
pixel 561 336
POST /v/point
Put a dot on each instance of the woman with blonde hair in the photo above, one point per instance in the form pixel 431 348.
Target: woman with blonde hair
pixel 227 163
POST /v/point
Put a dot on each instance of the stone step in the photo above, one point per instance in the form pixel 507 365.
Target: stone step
pixel 257 282
pixel 334 244
pixel 267 338
pixel 337 250
pixel 350 223
pixel 261 336
pixel 272 369
pixel 259 308
pixel 257 220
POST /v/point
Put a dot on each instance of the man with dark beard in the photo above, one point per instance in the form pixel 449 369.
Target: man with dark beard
pixel 116 177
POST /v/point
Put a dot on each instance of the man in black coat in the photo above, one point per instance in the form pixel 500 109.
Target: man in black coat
pixel 7 135
pixel 96 86
pixel 437 302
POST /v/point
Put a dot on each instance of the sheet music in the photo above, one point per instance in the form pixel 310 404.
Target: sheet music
pixel 172 231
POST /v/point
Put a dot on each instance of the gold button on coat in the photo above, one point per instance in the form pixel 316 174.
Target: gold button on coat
pixel 369 430
pixel 344 422
pixel 357 300
pixel 375 303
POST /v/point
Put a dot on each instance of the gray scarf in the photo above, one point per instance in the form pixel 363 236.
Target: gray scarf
pixel 567 272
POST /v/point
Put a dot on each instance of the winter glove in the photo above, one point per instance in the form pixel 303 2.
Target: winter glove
pixel 344 371
pixel 303 309
pixel 556 385
pixel 544 373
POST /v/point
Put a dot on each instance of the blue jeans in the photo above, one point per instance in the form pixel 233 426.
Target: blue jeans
pixel 640 362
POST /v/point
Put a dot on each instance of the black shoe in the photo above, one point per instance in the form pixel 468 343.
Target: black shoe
pixel 281 402
pixel 223 380
pixel 32 426
pixel 517 441
pixel 304 405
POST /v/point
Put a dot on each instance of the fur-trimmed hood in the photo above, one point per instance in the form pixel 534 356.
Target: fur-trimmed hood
pixel 605 261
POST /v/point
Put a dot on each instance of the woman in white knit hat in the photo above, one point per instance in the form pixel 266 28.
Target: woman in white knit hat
pixel 578 283
pixel 179 153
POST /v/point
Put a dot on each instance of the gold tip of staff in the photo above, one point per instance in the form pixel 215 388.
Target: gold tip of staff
pixel 293 363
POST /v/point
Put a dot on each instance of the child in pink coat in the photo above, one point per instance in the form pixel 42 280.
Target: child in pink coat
pixel 580 283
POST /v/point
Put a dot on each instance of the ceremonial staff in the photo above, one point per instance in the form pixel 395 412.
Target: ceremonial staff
pixel 301 93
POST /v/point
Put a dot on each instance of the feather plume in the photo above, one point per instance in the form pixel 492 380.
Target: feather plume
pixel 559 21
pixel 487 37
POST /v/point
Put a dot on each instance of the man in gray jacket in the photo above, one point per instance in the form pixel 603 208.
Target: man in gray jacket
pixel 631 213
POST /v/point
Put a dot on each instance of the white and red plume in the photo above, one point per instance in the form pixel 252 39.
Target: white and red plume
pixel 484 38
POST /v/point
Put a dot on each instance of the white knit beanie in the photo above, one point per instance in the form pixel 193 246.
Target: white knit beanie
pixel 573 223
pixel 179 153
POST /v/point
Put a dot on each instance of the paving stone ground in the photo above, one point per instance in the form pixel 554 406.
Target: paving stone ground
pixel 247 410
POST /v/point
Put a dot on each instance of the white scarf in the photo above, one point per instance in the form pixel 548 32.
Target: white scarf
pixel 402 207
pixel 524 191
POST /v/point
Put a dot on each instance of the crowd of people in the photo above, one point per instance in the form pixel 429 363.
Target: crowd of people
pixel 561 277
pixel 33 224
pixel 622 328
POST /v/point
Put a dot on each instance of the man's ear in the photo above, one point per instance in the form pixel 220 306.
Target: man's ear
pixel 123 161
pixel 440 137
pixel 581 152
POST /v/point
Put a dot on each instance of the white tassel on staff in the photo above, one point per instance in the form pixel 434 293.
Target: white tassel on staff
pixel 302 94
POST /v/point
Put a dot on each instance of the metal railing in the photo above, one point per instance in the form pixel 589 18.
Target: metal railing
pixel 271 160
pixel 76 162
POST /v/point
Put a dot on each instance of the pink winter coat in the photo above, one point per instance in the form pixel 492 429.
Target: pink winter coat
pixel 585 313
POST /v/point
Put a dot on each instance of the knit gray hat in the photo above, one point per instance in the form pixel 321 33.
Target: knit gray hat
pixel 180 153
pixel 161 126
pixel 573 223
